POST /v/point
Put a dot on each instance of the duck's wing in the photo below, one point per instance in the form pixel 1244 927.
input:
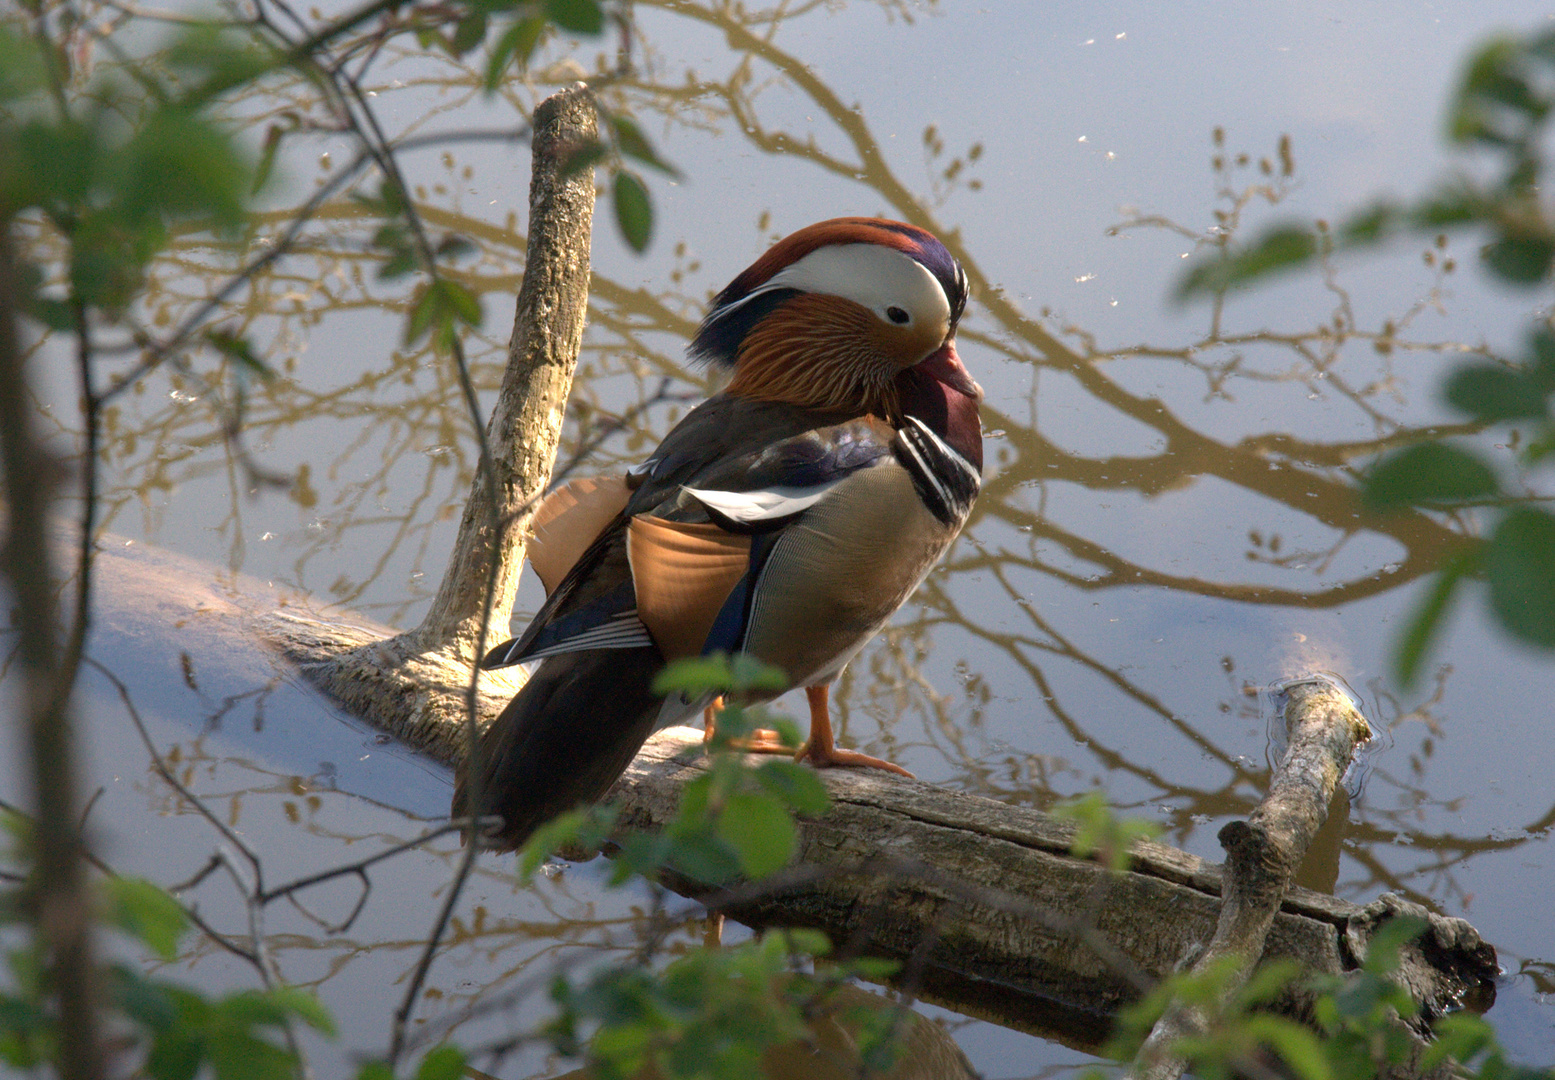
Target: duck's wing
pixel 664 566
pixel 737 510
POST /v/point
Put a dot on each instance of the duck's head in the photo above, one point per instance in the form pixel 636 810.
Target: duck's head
pixel 838 314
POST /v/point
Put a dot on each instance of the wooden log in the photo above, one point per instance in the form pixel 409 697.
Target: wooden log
pixel 1009 914
pixel 1019 930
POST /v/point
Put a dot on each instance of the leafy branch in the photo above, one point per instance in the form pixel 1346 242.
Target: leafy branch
pixel 1502 107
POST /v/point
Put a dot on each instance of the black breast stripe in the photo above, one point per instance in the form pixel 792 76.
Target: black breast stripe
pixel 945 481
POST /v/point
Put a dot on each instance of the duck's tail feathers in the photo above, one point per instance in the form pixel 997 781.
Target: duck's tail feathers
pixel 570 732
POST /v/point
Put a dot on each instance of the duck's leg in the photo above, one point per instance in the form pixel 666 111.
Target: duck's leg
pixel 761 741
pixel 820 751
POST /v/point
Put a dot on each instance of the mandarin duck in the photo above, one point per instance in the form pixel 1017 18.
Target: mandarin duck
pixel 787 516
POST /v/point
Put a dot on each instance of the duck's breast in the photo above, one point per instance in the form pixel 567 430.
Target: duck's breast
pixel 840 571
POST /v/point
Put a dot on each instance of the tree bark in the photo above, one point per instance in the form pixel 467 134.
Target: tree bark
pixel 1263 853
pixel 58 899
pixel 1006 923
pixel 526 424
pixel 415 684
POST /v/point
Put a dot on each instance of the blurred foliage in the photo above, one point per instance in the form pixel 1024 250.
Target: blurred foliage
pixel 1101 834
pixel 714 1012
pixel 116 163
pixel 1357 1027
pixel 1501 110
pixel 710 1013
pixel 116 204
pixel 161 1028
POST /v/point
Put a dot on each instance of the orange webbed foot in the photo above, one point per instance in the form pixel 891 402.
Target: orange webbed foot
pixel 822 752
pixel 830 757
pixel 761 741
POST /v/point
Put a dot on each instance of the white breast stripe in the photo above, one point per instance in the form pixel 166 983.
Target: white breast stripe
pixel 762 505
pixel 926 471
pixel 950 452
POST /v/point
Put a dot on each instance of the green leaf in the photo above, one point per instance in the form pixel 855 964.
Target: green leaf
pixel 1297 1046
pixel 1541 362
pixel 237 1055
pixel 375 1070
pixel 144 1001
pixel 180 164
pixel 51 164
pixel 249 1009
pixel 695 675
pixel 704 858
pixel 632 143
pixel 305 1006
pixel 1460 1037
pixel 1370 226
pixel 464 304
pixel 640 855
pixel 440 305
pixel 584 829
pixel 1426 622
pixel 239 349
pixel 1520 565
pixel 800 942
pixel 22 70
pixel 55 314
pixel 582 156
pixel 634 213
pixel 144 910
pixel 1268 982
pixel 443 1063
pixel 1428 474
pixel 1280 249
pixel 579 16
pixel 454 247
pixel 749 673
pixel 424 313
pixel 516 45
pixel 787 730
pixel 1452 206
pixel 1472 118
pixel 1100 833
pixel 1492 393
pixel 1388 941
pixel 1521 258
pixel 397 265
pixel 470 32
pixel 176 1055
pixel 214 58
pixel 266 164
pixel 799 788
pixel 760 831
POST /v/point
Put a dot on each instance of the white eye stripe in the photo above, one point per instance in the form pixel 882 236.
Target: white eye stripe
pixel 874 276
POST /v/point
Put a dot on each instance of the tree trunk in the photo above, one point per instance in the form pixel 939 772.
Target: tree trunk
pixel 416 685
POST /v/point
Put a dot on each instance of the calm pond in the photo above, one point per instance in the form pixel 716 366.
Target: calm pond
pixel 1167 525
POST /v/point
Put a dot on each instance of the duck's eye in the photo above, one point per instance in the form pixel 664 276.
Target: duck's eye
pixel 897 315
